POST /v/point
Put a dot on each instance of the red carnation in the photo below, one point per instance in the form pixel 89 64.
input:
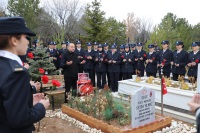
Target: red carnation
pixel 30 55
pixel 60 56
pixel 163 63
pixel 144 55
pixel 45 79
pixel 55 83
pixel 41 71
pixel 197 61
pixel 103 55
pixel 122 56
pixel 153 58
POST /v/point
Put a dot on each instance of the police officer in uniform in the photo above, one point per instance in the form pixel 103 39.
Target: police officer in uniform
pixel 121 50
pixel 127 61
pixel 140 58
pixel 106 50
pixel 100 67
pixel 52 54
pixel 164 59
pixel 19 108
pixel 95 47
pixel 151 62
pixel 179 61
pixel 62 51
pixel 193 60
pixel 81 54
pixel 132 49
pixel 88 67
pixel 114 61
pixel 156 47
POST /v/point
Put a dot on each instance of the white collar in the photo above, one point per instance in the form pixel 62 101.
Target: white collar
pixel 196 52
pixel 10 55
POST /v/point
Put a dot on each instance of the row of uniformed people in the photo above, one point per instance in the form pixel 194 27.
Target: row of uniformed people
pixel 152 61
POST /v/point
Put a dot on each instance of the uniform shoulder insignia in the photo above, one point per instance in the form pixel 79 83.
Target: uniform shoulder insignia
pixel 16 67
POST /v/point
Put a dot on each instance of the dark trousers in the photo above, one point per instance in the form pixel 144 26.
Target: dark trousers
pixel 120 76
pixel 175 76
pixel 101 79
pixel 151 74
pixel 127 75
pixel 165 74
pixel 80 69
pixel 114 78
pixel 70 82
pixel 91 75
pixel 108 78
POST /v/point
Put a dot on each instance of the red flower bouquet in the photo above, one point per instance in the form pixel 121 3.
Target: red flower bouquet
pixel 41 71
pixel 163 62
pixel 153 58
pixel 30 55
pixel 45 79
pixel 55 83
pixel 144 55
pixel 197 61
pixel 122 56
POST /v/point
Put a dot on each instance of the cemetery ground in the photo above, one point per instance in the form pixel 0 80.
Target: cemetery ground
pixel 57 125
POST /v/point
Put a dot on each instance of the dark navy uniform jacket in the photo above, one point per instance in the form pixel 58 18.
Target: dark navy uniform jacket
pixel 152 66
pixel 139 64
pixel 193 58
pixel 53 53
pixel 165 58
pixel 127 66
pixel 17 113
pixel 80 53
pixel 89 64
pixel 114 67
pixel 70 70
pixel 100 66
pixel 61 52
pixel 181 59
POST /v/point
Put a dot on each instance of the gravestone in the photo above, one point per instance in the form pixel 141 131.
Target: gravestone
pixel 142 107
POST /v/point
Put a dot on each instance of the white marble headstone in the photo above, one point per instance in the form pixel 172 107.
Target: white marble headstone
pixel 142 107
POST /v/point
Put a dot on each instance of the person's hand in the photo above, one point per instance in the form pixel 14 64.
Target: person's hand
pixel 147 61
pixel 129 60
pixel 101 59
pixel 26 65
pixel 113 61
pixel 150 61
pixel 141 58
pixel 37 97
pixel 54 58
pixel 45 103
pixel 177 65
pixel 172 63
pixel 189 64
pixel 96 59
pixel 69 62
pixel 193 63
pixel 109 61
pixel 83 62
pixel 124 60
pixel 136 59
pixel 195 102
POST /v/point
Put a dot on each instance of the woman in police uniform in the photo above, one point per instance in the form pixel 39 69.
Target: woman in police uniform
pixel 18 109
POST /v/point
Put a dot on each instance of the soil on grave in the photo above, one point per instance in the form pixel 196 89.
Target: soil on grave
pixel 56 125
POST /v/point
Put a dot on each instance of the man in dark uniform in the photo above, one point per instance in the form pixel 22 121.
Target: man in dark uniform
pixel 19 108
pixel 179 61
pixel 81 54
pixel 121 50
pixel 62 51
pixel 164 59
pixel 140 58
pixel 193 60
pixel 88 67
pixel 151 62
pixel 106 50
pixel 52 54
pixel 132 49
pixel 100 67
pixel 127 61
pixel 95 47
pixel 70 65
pixel 114 61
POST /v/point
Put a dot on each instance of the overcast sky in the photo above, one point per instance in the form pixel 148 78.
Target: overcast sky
pixel 151 10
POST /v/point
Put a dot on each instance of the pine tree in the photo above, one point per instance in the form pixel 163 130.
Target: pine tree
pixel 95 19
pixel 41 60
